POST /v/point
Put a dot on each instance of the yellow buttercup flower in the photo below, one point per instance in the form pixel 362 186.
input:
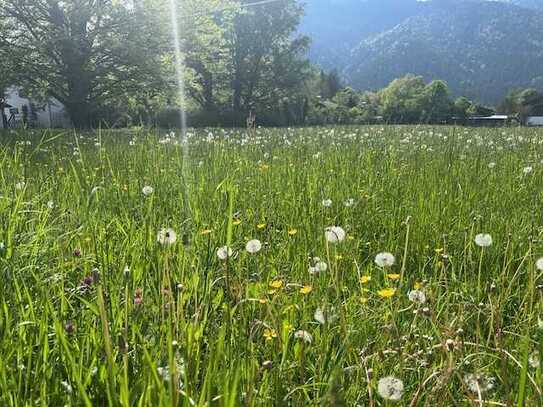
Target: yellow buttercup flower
pixel 306 289
pixel 269 334
pixel 393 276
pixel 277 284
pixel 292 232
pixel 365 279
pixel 386 292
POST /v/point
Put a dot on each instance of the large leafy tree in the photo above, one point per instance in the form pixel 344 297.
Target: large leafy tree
pixel 268 59
pixel 85 53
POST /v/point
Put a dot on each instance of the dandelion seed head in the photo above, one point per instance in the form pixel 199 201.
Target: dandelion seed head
pixel 483 240
pixel 385 259
pixel 147 190
pixel 253 246
pixel 166 237
pixel 334 234
pixel 390 388
pixel 303 335
pixel 417 296
pixel 224 252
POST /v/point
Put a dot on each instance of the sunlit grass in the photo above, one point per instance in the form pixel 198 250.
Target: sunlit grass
pixel 126 280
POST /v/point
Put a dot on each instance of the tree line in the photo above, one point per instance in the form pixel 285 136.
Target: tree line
pixel 112 62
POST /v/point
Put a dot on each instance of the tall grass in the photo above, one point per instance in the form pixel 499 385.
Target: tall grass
pixel 95 311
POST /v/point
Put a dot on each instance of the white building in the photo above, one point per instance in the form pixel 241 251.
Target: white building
pixel 534 121
pixel 51 114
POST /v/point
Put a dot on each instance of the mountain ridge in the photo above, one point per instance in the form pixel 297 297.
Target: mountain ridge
pixel 482 49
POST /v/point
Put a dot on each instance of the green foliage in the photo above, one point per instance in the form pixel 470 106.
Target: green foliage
pixel 96 311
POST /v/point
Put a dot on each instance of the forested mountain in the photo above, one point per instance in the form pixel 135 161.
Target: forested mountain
pixel 481 48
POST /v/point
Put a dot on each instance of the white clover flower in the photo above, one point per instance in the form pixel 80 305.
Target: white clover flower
pixel 224 252
pixel 491 165
pixel 390 388
pixel 539 264
pixel 479 382
pixel 348 202
pixel 483 240
pixel 253 246
pixel 303 335
pixel 147 190
pixel 166 237
pixel 527 170
pixel 327 203
pixel 417 296
pixel 50 204
pixel 334 234
pixel 385 259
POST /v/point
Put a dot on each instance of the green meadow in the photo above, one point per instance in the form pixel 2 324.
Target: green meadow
pixel 325 266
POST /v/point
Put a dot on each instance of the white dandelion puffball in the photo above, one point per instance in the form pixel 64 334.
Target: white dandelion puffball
pixel 527 170
pixel 483 240
pixel 303 335
pixel 334 234
pixel 147 190
pixel 417 296
pixel 539 264
pixel 319 316
pixel 385 259
pixel 327 203
pixel 321 267
pixel 479 382
pixel 224 252
pixel 166 237
pixel 348 202
pixel 390 388
pixel 253 246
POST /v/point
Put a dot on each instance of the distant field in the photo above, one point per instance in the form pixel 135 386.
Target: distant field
pixel 315 266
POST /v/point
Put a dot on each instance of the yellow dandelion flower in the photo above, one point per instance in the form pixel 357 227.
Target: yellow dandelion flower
pixel 306 289
pixel 292 232
pixel 386 292
pixel 365 279
pixel 277 284
pixel 393 276
pixel 418 286
pixel 261 226
pixel 269 334
pixel 236 222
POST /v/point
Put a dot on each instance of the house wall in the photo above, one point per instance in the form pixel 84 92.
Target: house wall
pixel 49 114
pixel 534 121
